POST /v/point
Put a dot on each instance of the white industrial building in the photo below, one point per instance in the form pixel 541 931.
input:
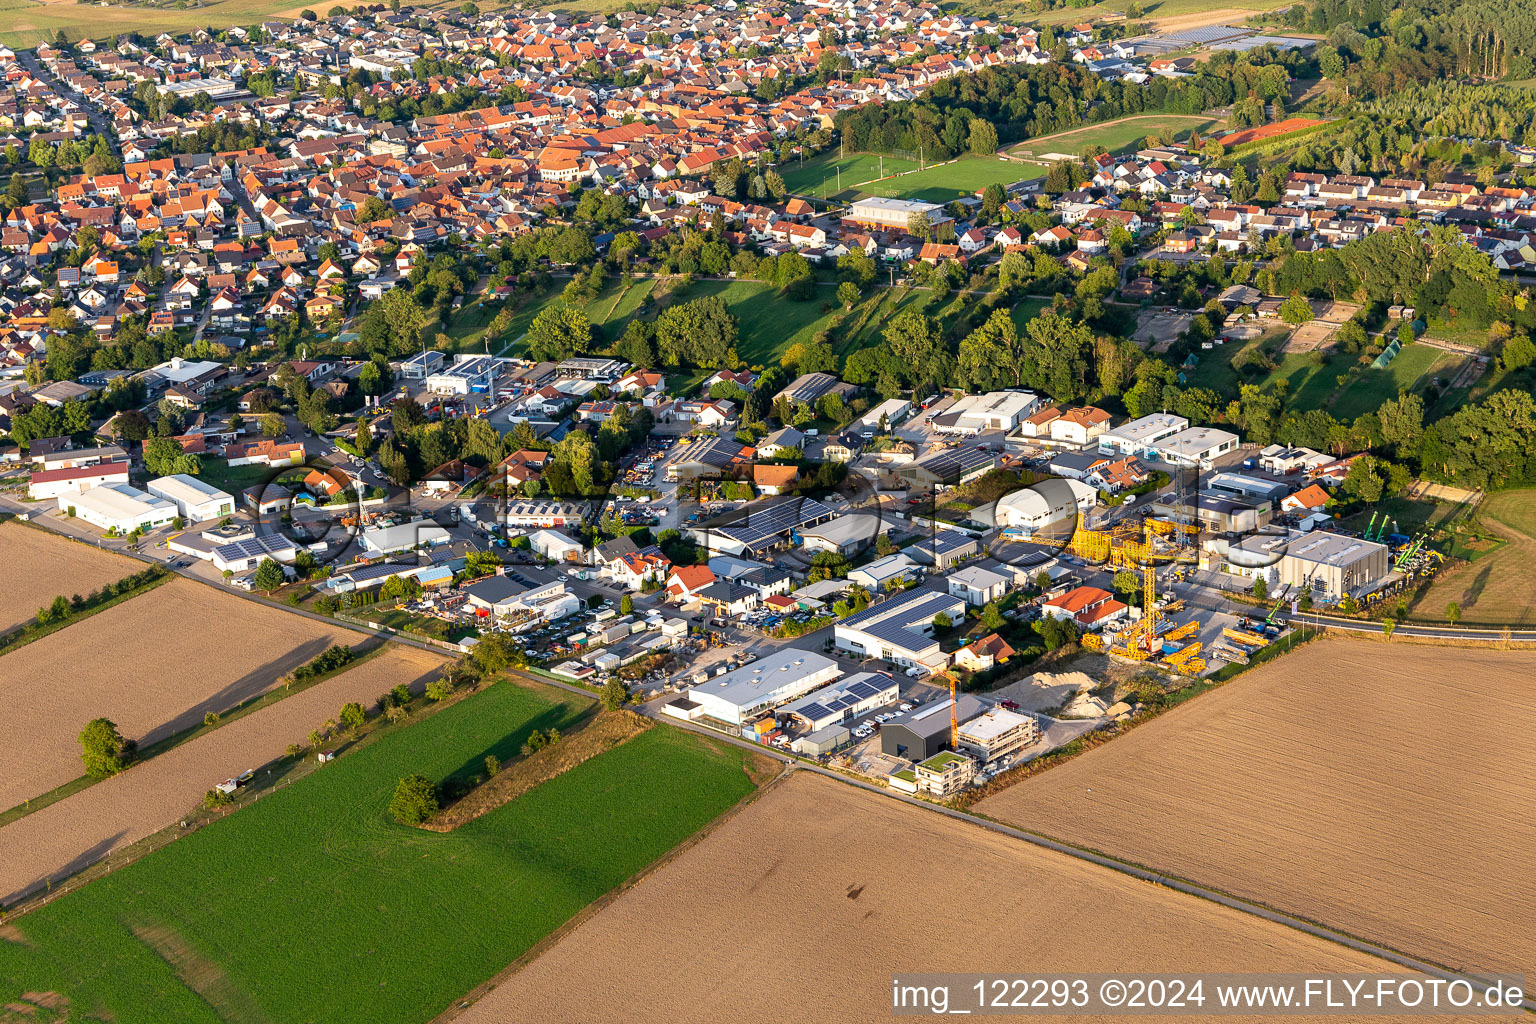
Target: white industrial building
pixel 117 507
pixel 995 410
pixel 556 547
pixel 900 629
pixel 1138 436
pixel 244 555
pixel 50 483
pixel 881 571
pixel 996 734
pixel 893 213
pixel 403 537
pixel 1196 446
pixel 739 696
pixel 844 700
pixel 1330 565
pixel 844 535
pixel 195 500
pixel 892 411
pixel 977 586
pixel 1049 507
pixel 468 374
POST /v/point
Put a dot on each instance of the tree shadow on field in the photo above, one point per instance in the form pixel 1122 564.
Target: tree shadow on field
pixel 1477 586
pixel 75 865
pixel 511 745
pixel 254 683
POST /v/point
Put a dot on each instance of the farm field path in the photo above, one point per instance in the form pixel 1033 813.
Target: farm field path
pixel 1374 788
pixel 154 665
pixel 66 836
pixel 836 889
pixel 40 566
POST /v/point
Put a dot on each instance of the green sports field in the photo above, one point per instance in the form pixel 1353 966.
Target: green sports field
pixel 1113 136
pixel 943 182
pixel 313 905
pixel 1409 371
pixel 822 175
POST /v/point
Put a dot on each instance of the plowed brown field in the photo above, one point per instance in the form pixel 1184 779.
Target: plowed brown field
pixel 1381 789
pixel 153 665
pixel 801 907
pixel 39 566
pixel 80 829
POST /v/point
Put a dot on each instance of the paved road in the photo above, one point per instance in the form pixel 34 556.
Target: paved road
pixel 98 120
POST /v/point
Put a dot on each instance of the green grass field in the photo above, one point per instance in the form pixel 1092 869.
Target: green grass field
pixel 1409 371
pixel 965 176
pixel 1114 136
pixel 822 175
pixel 1027 310
pixel 312 905
pixel 1497 585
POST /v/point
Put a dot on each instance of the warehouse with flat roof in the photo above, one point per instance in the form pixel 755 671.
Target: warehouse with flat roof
pixel 1332 565
pixel 1138 436
pixel 893 213
pixel 900 629
pixel 118 507
pixel 738 696
pixel 924 731
pixel 843 701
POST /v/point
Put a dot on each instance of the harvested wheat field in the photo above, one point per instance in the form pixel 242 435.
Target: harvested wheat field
pixel 64 837
pixel 802 905
pixel 39 566
pixel 154 665
pixel 1383 790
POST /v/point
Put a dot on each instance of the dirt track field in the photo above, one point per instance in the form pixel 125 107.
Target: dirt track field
pixel 75 831
pixel 1383 790
pixel 801 906
pixel 40 566
pixel 154 665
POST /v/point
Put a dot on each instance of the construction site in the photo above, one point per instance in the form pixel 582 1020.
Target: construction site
pixel 1168 632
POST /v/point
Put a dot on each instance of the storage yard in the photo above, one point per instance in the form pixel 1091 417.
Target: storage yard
pixel 154 665
pixel 40 566
pixel 1308 785
pixel 837 889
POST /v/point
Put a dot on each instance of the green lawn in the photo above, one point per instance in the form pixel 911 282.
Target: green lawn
pixel 218 473
pixel 1027 310
pixel 768 324
pixel 311 905
pixel 1409 371
pixel 962 177
pixel 822 175
pixel 1122 133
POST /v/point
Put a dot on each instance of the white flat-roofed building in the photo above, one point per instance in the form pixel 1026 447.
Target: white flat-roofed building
pixel 469 373
pixel 404 537
pixel 1138 436
pixel 195 500
pixel 1332 565
pixel 893 213
pixel 996 734
pixel 541 514
pixel 118 507
pixel 875 575
pixel 782 676
pixel 422 364
pixel 1196 446
pixel 995 410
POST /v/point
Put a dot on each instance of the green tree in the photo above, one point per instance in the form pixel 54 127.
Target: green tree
pixel 626 605
pixel 1453 612
pixel 1260 587
pixel 353 716
pixel 103 749
pixel 847 294
pixel 1387 626
pixel 615 694
pixel 942 621
pixel 983 137
pixel 269 576
pixel 415 800
pixel 1296 309
pixel 559 332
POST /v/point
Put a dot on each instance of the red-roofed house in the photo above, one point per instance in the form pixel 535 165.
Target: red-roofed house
pixel 1089 607
pixel 984 653
pixel 685 582
pixel 1308 499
